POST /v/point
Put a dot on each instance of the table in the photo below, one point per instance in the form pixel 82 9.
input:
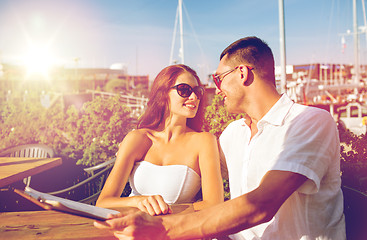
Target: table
pixel 48 225
pixel 57 225
pixel 13 169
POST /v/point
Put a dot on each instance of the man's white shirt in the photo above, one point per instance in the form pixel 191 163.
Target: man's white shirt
pixel 296 138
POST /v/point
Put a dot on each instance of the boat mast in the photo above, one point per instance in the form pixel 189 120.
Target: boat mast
pixel 181 50
pixel 283 80
pixel 356 50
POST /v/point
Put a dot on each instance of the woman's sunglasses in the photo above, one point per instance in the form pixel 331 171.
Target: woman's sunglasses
pixel 185 90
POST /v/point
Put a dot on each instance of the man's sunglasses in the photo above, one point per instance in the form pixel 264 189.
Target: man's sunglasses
pixel 185 90
pixel 218 78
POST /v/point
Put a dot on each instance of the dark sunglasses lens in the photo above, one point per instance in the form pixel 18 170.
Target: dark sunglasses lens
pixel 184 90
pixel 199 92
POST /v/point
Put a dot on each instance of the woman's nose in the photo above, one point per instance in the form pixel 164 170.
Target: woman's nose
pixel 193 96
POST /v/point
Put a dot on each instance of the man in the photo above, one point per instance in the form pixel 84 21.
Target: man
pixel 283 164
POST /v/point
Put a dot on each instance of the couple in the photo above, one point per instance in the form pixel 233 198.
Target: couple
pixel 282 159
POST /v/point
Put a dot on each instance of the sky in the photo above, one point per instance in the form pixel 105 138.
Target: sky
pixel 138 34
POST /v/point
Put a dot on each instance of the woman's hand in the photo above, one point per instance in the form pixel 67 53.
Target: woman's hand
pixel 154 205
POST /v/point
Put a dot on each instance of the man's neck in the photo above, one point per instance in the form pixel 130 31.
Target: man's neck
pixel 260 104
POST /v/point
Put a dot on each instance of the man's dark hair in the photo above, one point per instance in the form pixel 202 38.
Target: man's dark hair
pixel 253 52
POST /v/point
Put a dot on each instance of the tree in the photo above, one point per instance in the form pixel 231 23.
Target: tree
pixel 116 86
pixel 96 132
pixel 353 159
pixel 88 136
pixel 29 122
pixel 217 118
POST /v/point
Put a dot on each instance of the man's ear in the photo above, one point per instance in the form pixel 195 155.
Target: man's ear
pixel 244 73
pixel 246 77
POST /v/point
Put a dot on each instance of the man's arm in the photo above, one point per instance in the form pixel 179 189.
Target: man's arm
pixel 244 212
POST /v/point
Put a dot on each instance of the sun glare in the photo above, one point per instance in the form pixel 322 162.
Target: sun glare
pixel 38 61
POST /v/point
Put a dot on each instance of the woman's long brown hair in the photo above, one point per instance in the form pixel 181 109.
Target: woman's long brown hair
pixel 157 108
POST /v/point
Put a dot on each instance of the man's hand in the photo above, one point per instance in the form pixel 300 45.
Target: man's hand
pixel 135 225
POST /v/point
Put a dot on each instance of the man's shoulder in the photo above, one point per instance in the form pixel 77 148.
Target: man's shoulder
pixel 310 112
pixel 234 127
pixel 311 120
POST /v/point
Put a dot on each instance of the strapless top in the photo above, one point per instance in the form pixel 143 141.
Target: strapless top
pixel 175 183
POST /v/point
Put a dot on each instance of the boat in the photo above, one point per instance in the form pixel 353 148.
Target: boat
pixel 353 116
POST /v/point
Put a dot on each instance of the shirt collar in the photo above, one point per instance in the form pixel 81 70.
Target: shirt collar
pixel 279 111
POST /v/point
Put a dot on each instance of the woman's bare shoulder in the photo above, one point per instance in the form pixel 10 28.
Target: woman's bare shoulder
pixel 204 137
pixel 136 143
pixel 138 136
pixel 139 133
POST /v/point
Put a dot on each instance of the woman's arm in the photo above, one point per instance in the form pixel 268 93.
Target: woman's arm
pixel 132 149
pixel 211 179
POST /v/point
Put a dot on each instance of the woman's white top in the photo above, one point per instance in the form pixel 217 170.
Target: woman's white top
pixel 175 183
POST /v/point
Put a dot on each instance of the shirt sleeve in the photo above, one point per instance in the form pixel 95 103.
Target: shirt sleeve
pixel 311 146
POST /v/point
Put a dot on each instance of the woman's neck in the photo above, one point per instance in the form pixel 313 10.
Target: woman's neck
pixel 172 129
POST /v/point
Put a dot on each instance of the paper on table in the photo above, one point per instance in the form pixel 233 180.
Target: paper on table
pixel 65 205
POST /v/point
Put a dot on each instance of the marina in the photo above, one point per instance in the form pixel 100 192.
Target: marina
pixel 79 82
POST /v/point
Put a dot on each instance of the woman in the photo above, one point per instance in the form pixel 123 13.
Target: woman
pixel 167 159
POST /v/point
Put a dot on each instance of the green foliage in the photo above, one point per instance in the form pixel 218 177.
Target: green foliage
pixel 92 135
pixel 27 122
pixel 227 192
pixel 96 132
pixel 217 118
pixel 122 86
pixel 116 85
pixel 88 136
pixel 140 90
pixel 353 159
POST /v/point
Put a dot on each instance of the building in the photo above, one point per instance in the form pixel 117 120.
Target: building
pixel 65 80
